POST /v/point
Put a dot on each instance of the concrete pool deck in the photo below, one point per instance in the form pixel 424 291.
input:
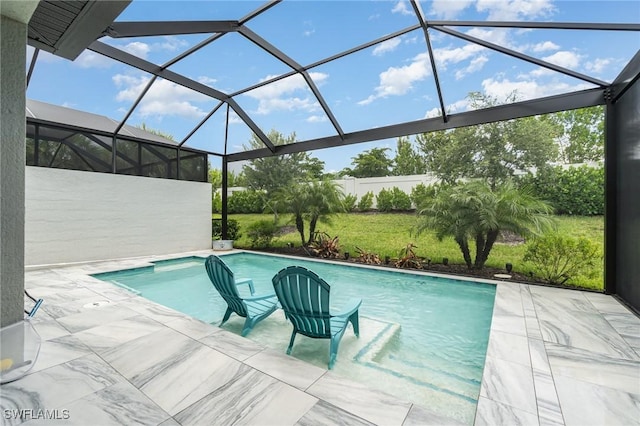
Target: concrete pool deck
pixel 555 357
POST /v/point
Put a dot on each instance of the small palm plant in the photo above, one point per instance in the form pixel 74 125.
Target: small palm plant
pixel 408 257
pixel 313 202
pixel 473 211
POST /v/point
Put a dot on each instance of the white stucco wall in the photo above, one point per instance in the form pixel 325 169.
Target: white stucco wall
pixel 360 186
pixel 74 216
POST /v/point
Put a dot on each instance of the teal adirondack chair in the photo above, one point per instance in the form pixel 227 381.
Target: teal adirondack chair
pixel 304 297
pixel 254 308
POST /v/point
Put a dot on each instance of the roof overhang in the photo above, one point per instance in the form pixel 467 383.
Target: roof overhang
pixel 66 28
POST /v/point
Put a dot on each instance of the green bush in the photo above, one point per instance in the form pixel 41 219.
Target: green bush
pixel 350 203
pixel 248 201
pixel 216 202
pixel 401 201
pixel 421 193
pixel 574 191
pixel 393 199
pixel 261 233
pixel 385 200
pixel 233 229
pixel 366 202
pixel 559 258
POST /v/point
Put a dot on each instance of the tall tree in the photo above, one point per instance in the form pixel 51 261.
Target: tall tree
pixel 370 163
pixel 583 134
pixel 269 174
pixel 492 151
pixel 407 160
pixel 473 211
pixel 233 178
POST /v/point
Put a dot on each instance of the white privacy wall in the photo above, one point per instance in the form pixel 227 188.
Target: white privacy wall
pixel 74 216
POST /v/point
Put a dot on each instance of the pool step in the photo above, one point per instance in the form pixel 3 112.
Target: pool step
pixel 165 267
pixel 275 332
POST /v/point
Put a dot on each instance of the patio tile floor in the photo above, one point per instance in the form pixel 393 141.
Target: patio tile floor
pixel 555 357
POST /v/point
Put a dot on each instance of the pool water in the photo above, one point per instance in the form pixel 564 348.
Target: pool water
pixel 437 358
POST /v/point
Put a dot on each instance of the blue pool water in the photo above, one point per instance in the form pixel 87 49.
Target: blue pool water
pixel 440 350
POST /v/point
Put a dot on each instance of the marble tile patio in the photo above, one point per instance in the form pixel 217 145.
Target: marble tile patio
pixel 555 357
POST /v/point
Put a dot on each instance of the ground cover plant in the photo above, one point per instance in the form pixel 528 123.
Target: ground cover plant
pixel 386 234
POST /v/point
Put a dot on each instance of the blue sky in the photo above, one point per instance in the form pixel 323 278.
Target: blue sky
pixel 385 84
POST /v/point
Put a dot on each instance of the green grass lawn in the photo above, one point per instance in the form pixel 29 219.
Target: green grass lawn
pixel 387 233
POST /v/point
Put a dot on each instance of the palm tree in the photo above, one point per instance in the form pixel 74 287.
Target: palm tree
pixel 473 211
pixel 312 201
pixel 323 198
pixel 292 199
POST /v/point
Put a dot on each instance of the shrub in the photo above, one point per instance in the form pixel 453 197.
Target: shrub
pixel 248 201
pixel 574 191
pixel 401 201
pixel 422 193
pixel 261 233
pixel 559 258
pixel 233 229
pixel 216 202
pixel 385 200
pixel 366 202
pixel 350 202
pixel 393 199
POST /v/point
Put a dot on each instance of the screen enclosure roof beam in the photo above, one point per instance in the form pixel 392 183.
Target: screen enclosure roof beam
pixel 567 101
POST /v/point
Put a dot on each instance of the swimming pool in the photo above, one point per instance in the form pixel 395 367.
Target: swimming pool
pixel 435 360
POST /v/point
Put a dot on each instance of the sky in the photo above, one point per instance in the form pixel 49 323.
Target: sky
pixel 389 83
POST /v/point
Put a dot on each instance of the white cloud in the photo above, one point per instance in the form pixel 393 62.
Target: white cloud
pixel 317 119
pixel 433 112
pixel 386 46
pixel 565 59
pixel 309 29
pixel 279 95
pixel 515 10
pixel 164 98
pixel 448 9
pixel 396 81
pixel 411 40
pixel 597 65
pixel 137 48
pixel 445 55
pixel 401 8
pixel 458 106
pixel 399 80
pixel 89 59
pixel 206 80
pixel 545 46
pixel 476 64
pixel 528 89
pixel 499 36
pixel 170 43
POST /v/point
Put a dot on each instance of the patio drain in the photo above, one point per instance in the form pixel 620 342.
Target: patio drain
pixel 97 304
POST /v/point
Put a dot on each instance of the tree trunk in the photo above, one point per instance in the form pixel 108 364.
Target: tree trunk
pixel 483 252
pixel 480 242
pixel 300 226
pixel 312 227
pixel 464 248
